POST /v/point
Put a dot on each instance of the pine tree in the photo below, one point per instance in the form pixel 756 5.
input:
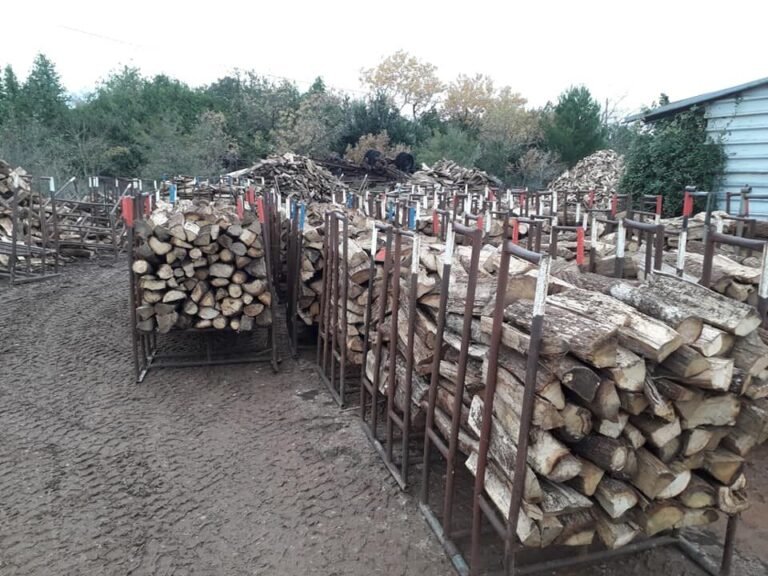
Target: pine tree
pixel 44 98
pixel 574 129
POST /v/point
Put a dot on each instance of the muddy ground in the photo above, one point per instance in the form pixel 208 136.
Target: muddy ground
pixel 223 471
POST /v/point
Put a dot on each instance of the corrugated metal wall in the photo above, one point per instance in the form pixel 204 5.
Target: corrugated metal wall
pixel 743 125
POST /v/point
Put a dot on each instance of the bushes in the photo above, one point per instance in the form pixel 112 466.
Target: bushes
pixel 671 154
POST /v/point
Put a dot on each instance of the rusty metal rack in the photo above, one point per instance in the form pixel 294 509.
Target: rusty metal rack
pixel 294 256
pixel 654 243
pixel 220 346
pixel 332 363
pixel 714 238
pixel 555 236
pixel 650 207
pixel 23 248
pixel 92 225
pixel 373 403
pixel 745 195
pixel 447 443
pixel 575 200
pixel 485 555
pixel 535 226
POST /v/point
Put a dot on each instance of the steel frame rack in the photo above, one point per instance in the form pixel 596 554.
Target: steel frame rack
pixel 146 350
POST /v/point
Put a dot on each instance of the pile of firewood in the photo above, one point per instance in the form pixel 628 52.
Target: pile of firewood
pixel 600 171
pixel 313 267
pixel 450 175
pixel 198 265
pixel 355 174
pixel 188 187
pixel 292 173
pixel 644 412
pixel 29 225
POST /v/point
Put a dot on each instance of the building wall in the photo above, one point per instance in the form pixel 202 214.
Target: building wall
pixel 743 125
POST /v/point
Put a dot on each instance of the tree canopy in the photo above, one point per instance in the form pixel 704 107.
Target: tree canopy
pixel 574 128
pixel 134 125
pixel 671 154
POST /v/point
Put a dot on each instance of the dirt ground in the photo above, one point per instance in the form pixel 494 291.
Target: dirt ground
pixel 223 471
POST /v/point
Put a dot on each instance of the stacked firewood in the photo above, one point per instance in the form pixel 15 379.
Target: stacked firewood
pixel 32 210
pixel 292 173
pixel 354 175
pixel 600 171
pixel 198 265
pixel 648 396
pixel 188 187
pixel 313 267
pixel 450 175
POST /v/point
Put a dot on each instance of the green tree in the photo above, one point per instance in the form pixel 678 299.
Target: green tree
pixel 452 144
pixel 314 128
pixel 574 128
pixel 42 96
pixel 671 154
pixel 253 107
pixel 375 115
pixel 11 90
pixel 3 103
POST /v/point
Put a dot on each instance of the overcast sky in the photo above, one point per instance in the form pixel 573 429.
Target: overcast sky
pixel 627 51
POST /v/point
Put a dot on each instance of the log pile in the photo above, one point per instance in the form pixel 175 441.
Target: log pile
pixel 645 410
pixel 450 175
pixel 188 187
pixel 293 173
pixel 353 175
pixel 644 413
pixel 600 171
pixel 197 266
pixel 313 267
pixel 29 231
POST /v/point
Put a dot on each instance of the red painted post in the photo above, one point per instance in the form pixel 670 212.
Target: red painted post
pixel 126 205
pixel 687 204
pixel 260 209
pixel 580 246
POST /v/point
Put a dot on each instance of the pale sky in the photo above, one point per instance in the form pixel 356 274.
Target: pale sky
pixel 628 51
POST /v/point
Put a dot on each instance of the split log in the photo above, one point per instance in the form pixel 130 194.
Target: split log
pixel 546 455
pixel 615 497
pixel 657 516
pixel 614 534
pixel 750 354
pixel 588 479
pixel 629 372
pixel 713 341
pixel 638 332
pixel 632 402
pixel 723 465
pixel 657 431
pixel 591 340
pixel 698 493
pixel 715 309
pixel 652 475
pixel 720 410
pixel 688 326
pixel 606 453
pixel 499 490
